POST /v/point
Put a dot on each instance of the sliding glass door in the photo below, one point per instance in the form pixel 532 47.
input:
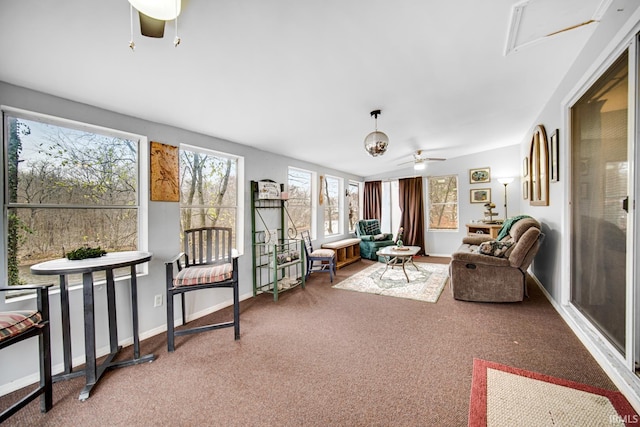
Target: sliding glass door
pixel 599 202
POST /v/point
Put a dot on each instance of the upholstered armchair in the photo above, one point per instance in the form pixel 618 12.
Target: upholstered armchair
pixel 371 238
pixel 491 270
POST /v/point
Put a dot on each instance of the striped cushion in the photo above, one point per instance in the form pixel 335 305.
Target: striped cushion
pixel 205 274
pixel 15 322
pixel 327 253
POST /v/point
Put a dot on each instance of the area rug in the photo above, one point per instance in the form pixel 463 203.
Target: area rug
pixel 506 396
pixel 426 281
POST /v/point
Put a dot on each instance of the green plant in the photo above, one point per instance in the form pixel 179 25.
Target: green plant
pixel 86 252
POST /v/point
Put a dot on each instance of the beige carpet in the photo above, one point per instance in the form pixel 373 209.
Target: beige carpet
pixel 506 396
pixel 426 281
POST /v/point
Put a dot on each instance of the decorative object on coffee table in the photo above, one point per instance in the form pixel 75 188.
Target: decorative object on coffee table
pixel 399 242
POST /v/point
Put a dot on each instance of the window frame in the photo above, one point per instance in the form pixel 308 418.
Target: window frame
pixel 239 228
pixel 358 185
pixel 340 214
pixel 142 189
pixel 313 179
pixel 430 203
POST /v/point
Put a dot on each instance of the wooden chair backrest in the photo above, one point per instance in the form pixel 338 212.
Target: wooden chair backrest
pixel 207 245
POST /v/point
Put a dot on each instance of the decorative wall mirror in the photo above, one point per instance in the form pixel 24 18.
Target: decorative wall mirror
pixel 539 168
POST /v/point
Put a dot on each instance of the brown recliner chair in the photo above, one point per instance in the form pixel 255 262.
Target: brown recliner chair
pixel 495 271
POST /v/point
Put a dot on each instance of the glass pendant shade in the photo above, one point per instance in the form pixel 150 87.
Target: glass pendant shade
pixel 376 143
pixel 165 10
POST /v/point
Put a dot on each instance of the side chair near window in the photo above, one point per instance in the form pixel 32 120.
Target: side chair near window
pixel 17 326
pixel 207 262
pixel 318 260
pixel 371 238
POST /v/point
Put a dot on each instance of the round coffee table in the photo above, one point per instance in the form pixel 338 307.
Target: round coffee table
pixel 394 255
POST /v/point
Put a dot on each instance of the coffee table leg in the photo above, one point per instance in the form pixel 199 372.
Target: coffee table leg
pixel 387 260
pixel 404 261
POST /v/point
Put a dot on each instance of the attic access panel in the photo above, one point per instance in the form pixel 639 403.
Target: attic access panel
pixel 534 20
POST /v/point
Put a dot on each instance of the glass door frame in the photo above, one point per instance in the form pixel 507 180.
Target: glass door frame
pixel 632 315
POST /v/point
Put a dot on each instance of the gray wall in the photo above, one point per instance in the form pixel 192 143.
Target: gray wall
pixel 504 162
pixel 163 237
pixel 548 266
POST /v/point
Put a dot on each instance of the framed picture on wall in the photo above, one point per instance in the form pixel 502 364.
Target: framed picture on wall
pixel 525 189
pixel 164 173
pixel 479 175
pixel 553 155
pixel 480 195
pixel 525 167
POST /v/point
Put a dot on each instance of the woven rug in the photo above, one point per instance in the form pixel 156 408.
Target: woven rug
pixel 426 281
pixel 506 396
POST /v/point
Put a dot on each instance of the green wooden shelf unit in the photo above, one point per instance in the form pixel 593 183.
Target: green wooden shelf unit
pixel 278 259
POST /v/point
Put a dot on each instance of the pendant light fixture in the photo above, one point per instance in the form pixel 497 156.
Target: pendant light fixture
pixel 376 142
pixel 153 14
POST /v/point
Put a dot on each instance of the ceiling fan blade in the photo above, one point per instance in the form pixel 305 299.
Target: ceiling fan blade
pixel 151 27
pixel 406 163
pixel 439 159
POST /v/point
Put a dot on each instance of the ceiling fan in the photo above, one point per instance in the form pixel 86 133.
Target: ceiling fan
pixel 419 162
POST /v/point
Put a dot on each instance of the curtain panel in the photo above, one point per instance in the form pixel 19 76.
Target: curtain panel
pixel 372 208
pixel 412 207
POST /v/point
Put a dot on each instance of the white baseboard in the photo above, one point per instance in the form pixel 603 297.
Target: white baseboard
pixel 102 351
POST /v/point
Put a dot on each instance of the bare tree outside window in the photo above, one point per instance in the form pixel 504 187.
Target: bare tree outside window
pixel 67 188
pixel 208 189
pixel 300 188
pixel 332 205
pixel 443 202
pixel 354 205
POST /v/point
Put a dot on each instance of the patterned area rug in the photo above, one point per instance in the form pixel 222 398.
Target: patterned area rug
pixel 426 281
pixel 506 396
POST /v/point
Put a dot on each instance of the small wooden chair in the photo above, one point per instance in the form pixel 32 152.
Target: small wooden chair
pixel 205 263
pixel 17 326
pixel 319 260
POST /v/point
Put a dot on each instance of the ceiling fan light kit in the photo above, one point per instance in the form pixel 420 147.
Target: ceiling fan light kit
pixel 419 165
pixel 376 142
pixel 153 14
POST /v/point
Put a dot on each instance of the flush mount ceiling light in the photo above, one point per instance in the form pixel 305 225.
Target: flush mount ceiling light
pixel 153 14
pixel 376 142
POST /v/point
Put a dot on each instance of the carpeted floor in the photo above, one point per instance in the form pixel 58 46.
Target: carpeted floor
pixel 326 357
pixel 504 396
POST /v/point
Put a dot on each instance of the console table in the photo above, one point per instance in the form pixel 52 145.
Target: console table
pixel 482 228
pixel 87 267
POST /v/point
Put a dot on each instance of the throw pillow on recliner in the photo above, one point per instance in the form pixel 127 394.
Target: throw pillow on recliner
pixel 381 236
pixel 495 248
pixel 371 228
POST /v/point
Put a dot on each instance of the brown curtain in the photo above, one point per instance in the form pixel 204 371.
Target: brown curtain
pixel 372 200
pixel 412 220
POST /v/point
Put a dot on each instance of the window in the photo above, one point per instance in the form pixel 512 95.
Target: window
pixel 69 185
pixel 332 205
pixel 210 188
pixel 443 202
pixel 354 205
pixel 301 195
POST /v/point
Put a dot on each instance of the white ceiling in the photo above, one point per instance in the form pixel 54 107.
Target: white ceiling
pixel 299 77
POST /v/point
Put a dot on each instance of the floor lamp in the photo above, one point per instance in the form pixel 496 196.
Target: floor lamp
pixel 505 182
